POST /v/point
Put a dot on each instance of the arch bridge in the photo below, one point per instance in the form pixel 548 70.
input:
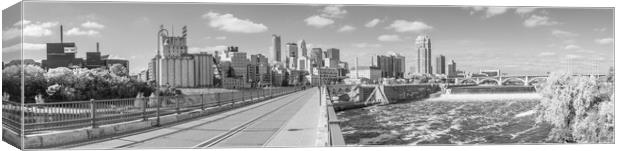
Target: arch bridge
pixel 524 80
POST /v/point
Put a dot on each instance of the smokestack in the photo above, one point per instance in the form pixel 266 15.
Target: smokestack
pixel 357 71
pixel 61 34
pixel 97 46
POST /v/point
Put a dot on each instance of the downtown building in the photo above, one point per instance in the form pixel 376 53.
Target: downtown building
pixel 174 66
pixel 372 73
pixel 423 43
pixel 316 57
pixel 391 65
pixel 452 72
pixel 291 57
pixel 237 72
pixel 262 70
pixel 441 64
pixel 332 58
pixel 276 49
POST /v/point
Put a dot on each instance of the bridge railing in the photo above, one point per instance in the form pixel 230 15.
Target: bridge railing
pixel 333 127
pixel 45 117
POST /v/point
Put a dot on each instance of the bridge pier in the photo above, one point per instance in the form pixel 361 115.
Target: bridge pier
pixel 500 81
pixel 527 81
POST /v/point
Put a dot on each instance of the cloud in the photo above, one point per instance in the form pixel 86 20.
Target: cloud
pixel 75 31
pixel 230 23
pixel 116 57
pixel 366 45
pixel 600 29
pixel 39 29
pixel 409 26
pixel 19 23
pixel 525 10
pixel 210 49
pixel 333 11
pixel 318 21
pixel 604 41
pixel 493 11
pixel 488 11
pixel 11 33
pixel 327 16
pixel 26 47
pixel 221 38
pixel 572 56
pixel 372 23
pixel 389 38
pixel 92 25
pixel 572 47
pixel 536 20
pixel 563 34
pixel 346 28
pixel 31 29
pixel 543 54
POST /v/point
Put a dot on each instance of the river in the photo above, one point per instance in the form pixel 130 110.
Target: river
pixel 453 119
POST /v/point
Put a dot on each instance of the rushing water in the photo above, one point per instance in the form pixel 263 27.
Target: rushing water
pixel 447 120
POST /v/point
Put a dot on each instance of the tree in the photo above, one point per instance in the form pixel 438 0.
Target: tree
pixel 34 82
pixel 119 70
pixel 579 108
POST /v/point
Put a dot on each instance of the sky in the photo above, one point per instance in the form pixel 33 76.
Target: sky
pixel 517 40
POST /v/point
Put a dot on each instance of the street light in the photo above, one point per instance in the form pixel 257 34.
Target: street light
pixel 159 57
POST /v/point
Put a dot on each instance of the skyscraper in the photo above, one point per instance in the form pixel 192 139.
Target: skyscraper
pixel 424 44
pixel 392 65
pixel 333 55
pixel 302 47
pixel 316 57
pixel 441 64
pixel 452 69
pixel 292 50
pixel 292 55
pixel 276 49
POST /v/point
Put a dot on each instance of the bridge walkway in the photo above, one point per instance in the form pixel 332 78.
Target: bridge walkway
pixel 288 121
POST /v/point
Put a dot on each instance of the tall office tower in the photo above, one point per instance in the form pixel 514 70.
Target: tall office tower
pixel 292 50
pixel 452 69
pixel 441 64
pixel 276 49
pixel 399 65
pixel 292 55
pixel 391 65
pixel 424 44
pixel 316 57
pixel 302 47
pixel 332 57
pixel 333 54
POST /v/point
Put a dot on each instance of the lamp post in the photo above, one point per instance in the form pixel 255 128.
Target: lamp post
pixel 158 61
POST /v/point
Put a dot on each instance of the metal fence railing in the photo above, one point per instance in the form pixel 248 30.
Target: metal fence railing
pixel 44 117
pixel 333 127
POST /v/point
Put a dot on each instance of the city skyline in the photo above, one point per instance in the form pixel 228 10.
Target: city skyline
pixel 515 40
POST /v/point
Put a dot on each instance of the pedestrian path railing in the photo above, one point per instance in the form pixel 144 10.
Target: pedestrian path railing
pixel 333 127
pixel 47 117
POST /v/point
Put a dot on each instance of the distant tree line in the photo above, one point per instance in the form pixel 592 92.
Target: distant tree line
pixel 64 84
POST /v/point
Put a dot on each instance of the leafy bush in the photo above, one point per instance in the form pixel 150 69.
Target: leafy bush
pixel 64 84
pixel 581 109
pixel 34 82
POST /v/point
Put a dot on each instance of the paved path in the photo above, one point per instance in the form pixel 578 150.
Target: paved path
pixel 289 120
